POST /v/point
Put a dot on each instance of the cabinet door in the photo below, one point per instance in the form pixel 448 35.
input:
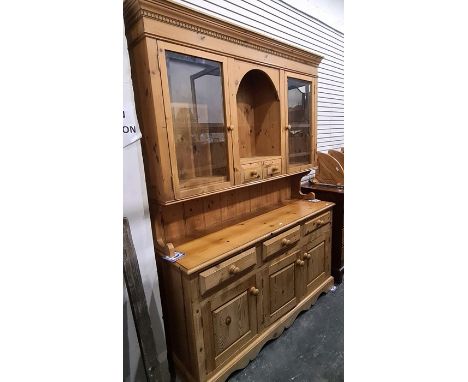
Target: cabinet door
pixel 229 321
pixel 301 118
pixel 317 258
pixel 282 289
pixel 197 116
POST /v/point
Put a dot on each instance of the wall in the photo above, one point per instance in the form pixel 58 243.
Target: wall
pixel 278 20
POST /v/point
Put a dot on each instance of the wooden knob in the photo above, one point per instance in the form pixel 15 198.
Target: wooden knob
pixel 228 320
pixel 275 169
pixel 320 222
pixel 233 270
pixel 307 255
pixel 254 173
pixel 230 127
pixel 254 291
pixel 288 127
pixel 285 241
pixel 300 262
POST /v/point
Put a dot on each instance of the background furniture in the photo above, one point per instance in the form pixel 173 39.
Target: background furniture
pixel 330 169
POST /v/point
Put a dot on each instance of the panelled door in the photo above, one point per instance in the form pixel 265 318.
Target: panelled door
pixel 281 292
pixel 317 258
pixel 229 321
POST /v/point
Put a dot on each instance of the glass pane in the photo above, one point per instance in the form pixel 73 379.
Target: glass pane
pixel 299 118
pixel 197 105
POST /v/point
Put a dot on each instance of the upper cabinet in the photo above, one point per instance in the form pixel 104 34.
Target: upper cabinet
pixel 218 106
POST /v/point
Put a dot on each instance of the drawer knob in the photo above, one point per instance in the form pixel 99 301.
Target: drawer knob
pixel 300 262
pixel 275 169
pixel 307 255
pixel 320 222
pixel 233 270
pixel 288 127
pixel 285 241
pixel 228 320
pixel 254 173
pixel 254 291
pixel 230 127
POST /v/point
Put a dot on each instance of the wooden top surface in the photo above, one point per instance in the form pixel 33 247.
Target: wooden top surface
pixel 209 249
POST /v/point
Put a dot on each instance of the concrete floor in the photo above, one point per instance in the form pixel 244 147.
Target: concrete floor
pixel 311 349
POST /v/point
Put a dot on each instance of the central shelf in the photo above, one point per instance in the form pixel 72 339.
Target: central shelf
pixel 258 116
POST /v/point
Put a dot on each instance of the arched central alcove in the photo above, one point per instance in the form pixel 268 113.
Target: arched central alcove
pixel 258 116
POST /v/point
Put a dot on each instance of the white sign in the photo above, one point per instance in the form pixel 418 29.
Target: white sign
pixel 131 131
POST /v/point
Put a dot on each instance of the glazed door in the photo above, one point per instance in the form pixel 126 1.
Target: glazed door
pixel 301 115
pixel 197 116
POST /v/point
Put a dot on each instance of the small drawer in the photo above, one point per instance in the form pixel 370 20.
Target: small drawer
pixel 316 223
pixel 226 270
pixel 285 240
pixel 251 172
pixel 271 168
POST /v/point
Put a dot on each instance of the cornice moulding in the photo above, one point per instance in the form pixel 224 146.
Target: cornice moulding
pixel 175 14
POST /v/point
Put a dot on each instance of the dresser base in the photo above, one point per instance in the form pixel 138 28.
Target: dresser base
pixel 251 351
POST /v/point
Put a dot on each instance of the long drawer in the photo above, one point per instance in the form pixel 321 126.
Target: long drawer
pixel 316 223
pixel 227 270
pixel 285 240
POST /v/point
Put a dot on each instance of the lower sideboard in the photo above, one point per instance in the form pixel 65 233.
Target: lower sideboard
pixel 241 286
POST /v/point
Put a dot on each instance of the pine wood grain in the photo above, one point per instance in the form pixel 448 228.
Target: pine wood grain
pixel 222 340
pixel 220 302
pixel 208 249
pixel 230 322
pixel 227 270
pixel 249 352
